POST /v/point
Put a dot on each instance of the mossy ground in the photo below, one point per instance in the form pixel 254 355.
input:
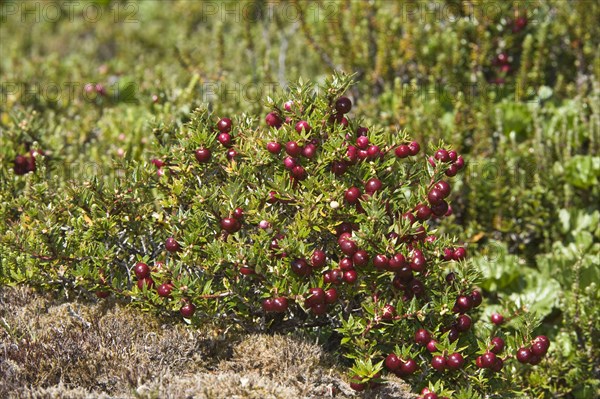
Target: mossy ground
pixel 56 348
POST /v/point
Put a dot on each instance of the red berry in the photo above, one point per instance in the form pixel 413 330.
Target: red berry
pixel 422 337
pixel 356 384
pixel 402 151
pixel 460 253
pixel 443 187
pixel 539 348
pixel 381 262
pixel 430 395
pixel 423 212
pixel 303 125
pixel 352 195
pixel 102 294
pixel 397 262
pixel 230 225
pixel 431 346
pixel 488 359
pixel 172 245
pixel 360 258
pixel 476 298
pixel 362 131
pixel 392 362
pixel 319 309
pixel 300 267
pixel 318 258
pixel 524 355
pixel 274 147
pixel 498 364
pixel 455 361
pixel 267 305
pixel 497 319
pixel 409 366
pixel 145 282
pixel 309 151
pixel 348 247
pixel 225 139
pixel 315 296
pixel 440 209
pixel 438 363
pixel 280 304
pixel 389 312
pixel 141 270
pixel 299 173
pixel 460 162
pixel 414 148
pixel 543 340
pixel 442 155
pixel 231 153
pixel 464 303
pixel 463 323
pixel 288 105
pixel 293 149
pixel 372 185
pixel 346 264
pixel 435 197
pixel 273 120
pixel 350 276
pixel 187 310
pixel 331 295
pixel 224 125
pixel 203 155
pixel 164 290
pixel 362 142
pixel 343 105
pixel 497 345
pixel 339 167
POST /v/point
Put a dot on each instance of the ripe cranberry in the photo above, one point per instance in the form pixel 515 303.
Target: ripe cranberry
pixel 414 148
pixel 280 304
pixel 430 395
pixel 272 197
pixel 460 253
pixel 409 217
pixel 488 359
pixel 164 290
pixel 289 163
pixel 348 247
pixel 267 305
pixel 497 318
pixel 362 131
pixel 443 187
pixel 314 296
pixel 440 209
pixel 300 267
pixel 453 334
pixel 172 245
pixel 273 120
pixel 303 125
pixel 337 276
pixel 145 282
pixel 455 361
pixel 422 337
pixel 402 151
pixel 438 363
pixel 299 173
pixel 319 309
pixel 347 235
pixel 187 310
pixel 318 258
pixel 497 345
pixel 453 155
pixel 418 262
pixel 448 254
pixel 497 366
pixel 224 125
pixel 203 155
pixel 463 323
pixel 350 276
pixel 339 167
pixel 423 212
pixel 331 295
pixel 417 287
pixel 452 170
pixel 342 120
pixel 543 340
pixel 442 155
pixel 372 185
pixel 373 152
pixel 309 151
pixel 293 149
pixel 141 270
pixel 535 360
pixel 450 277
pixel 362 142
pixel 360 258
pixel 357 385
pixel 352 195
pixel 409 367
pixel 432 346
pixel 288 105
pixel 464 303
pixel 102 294
pixel 230 225
pixel 539 348
pixel 274 147
pixel 158 163
pixel 460 162
pixel 346 264
pixel 246 271
pixel 388 313
pixel 397 262
pixel 225 139
pixel 231 153
pixel 476 298
pixel 479 362
pixel 392 362
pixel 238 213
pixel 343 105
pixel 381 262
pixel 435 197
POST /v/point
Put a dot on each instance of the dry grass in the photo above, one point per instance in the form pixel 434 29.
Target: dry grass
pixel 50 348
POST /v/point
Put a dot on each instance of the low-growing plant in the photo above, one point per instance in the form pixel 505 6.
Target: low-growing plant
pixel 309 220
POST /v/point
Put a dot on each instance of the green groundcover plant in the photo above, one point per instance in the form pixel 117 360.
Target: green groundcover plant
pixel 305 219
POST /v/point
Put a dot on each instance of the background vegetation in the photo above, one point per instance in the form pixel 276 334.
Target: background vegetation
pixel 514 86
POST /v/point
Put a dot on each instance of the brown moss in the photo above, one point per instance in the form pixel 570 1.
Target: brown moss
pixel 50 348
